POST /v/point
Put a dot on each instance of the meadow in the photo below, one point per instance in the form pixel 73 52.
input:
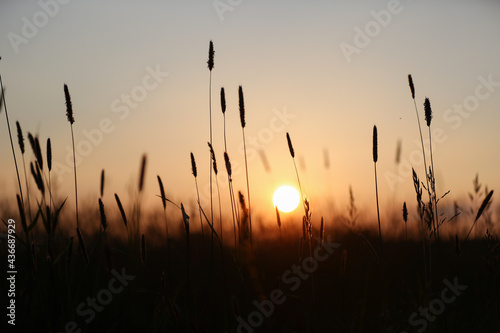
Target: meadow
pixel 113 266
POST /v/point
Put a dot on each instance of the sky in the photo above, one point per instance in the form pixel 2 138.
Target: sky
pixel 324 71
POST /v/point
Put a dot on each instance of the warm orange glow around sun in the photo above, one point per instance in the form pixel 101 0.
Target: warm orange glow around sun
pixel 286 198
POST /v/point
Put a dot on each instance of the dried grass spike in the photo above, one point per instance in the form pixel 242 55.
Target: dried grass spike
pixel 242 203
pixel 102 183
pixel 69 106
pixel 211 52
pixel 20 137
pixel 241 103
pixel 228 164
pixel 290 146
pixel 375 144
pixel 405 212
pixel 223 100
pixel 412 87
pixel 38 153
pixel 162 193
pixel 278 218
pixel 31 140
pixel 428 111
pixel 212 153
pixel 483 205
pixel 49 154
pixel 122 211
pixel 143 171
pixel 185 218
pixel 193 166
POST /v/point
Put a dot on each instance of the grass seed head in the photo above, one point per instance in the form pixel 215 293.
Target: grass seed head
pixel 49 154
pixel 412 87
pixel 428 111
pixel 405 212
pixel 193 166
pixel 143 171
pixel 212 153
pixel 242 202
pixel 37 175
pixel 241 103
pixel 185 218
pixel 69 106
pixel 375 144
pixel 223 100
pixel 31 140
pixel 211 52
pixel 38 153
pixel 278 219
pixel 290 146
pixel 20 138
pixel 162 193
pixel 484 205
pixel 102 183
pixel 122 211
pixel 228 164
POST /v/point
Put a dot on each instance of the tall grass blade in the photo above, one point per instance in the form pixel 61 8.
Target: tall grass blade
pixel 102 183
pixel 241 103
pixel 71 119
pixel 122 211
pixel 2 100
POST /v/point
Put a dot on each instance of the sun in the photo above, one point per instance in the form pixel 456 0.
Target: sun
pixel 286 198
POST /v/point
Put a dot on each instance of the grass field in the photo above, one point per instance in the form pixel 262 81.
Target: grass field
pixel 114 266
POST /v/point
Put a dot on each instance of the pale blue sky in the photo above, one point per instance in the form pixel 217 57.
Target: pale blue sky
pixel 288 56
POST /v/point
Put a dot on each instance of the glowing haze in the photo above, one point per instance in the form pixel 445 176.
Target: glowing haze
pixel 324 71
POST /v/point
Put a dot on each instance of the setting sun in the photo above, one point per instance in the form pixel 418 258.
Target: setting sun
pixel 286 198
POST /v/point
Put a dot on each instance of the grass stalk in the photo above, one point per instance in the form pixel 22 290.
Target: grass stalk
pixel 71 119
pixel 185 218
pixel 2 100
pixel 292 153
pixel 231 194
pixel 241 103
pixel 20 138
pixel 210 63
pixel 412 89
pixel 375 159
pixel 405 218
pixel 194 170
pixel 432 173
pixel 216 172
